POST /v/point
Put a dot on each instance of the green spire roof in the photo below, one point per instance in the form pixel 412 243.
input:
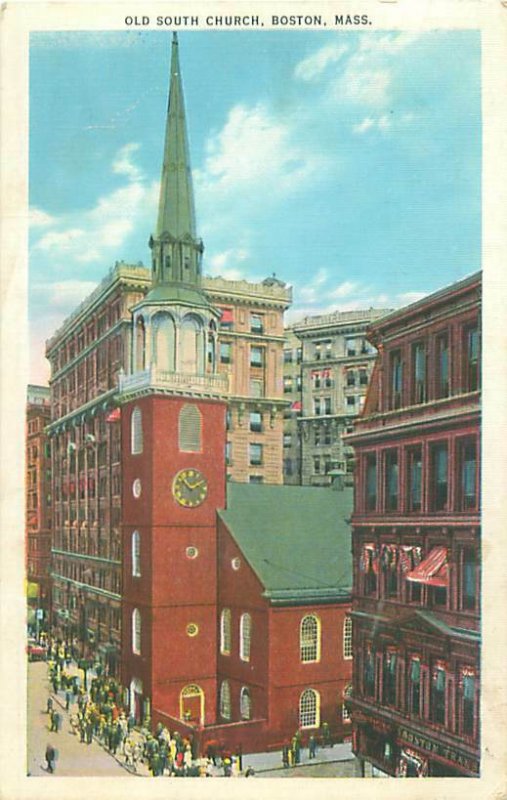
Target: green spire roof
pixel 176 214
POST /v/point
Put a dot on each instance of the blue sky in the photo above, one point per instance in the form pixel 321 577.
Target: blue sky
pixel 348 164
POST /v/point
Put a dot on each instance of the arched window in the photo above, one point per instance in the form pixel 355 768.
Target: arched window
pixel 191 346
pixel 347 637
pixel 225 700
pixel 345 711
pixel 136 431
pixel 164 347
pixel 225 632
pixel 192 703
pixel 190 429
pixel 245 703
pixel 309 709
pixel 136 554
pixel 245 635
pixel 136 631
pixel 140 345
pixel 309 639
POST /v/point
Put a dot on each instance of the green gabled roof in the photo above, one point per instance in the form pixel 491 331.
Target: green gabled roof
pixel 176 293
pixel 295 538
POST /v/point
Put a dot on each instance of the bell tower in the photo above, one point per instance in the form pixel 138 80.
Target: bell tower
pixel 173 459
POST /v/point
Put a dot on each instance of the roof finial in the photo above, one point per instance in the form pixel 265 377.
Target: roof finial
pixel 175 37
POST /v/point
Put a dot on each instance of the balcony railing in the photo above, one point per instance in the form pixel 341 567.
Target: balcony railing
pixel 217 384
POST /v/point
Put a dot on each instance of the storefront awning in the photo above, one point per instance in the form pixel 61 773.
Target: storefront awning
pixel 226 315
pixel 433 570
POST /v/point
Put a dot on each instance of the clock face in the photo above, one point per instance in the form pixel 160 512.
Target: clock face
pixel 190 488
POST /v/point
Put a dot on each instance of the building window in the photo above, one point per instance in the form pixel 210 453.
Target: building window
pixel 136 431
pixel 389 562
pixel 442 365
pixel 351 378
pixel 316 465
pixel 467 488
pixel 327 435
pixel 419 373
pixel 351 402
pixel 327 405
pixel 136 631
pixel 371 482
pixel 256 421
pixel 414 686
pixel 469 579
pixel 256 357
pixel 226 320
pixel 437 700
pixel 309 709
pixel 363 377
pixel 256 388
pixel 225 700
pixel 255 479
pixel 256 323
pixel 287 439
pixel 369 674
pixel 287 356
pixel 439 477
pixel 318 351
pixel 467 698
pixel 228 454
pixel 396 372
pixel 414 466
pixel 287 385
pixel 345 711
pixel 389 678
pixel 190 425
pixel 225 352
pixel 136 554
pixel 391 485
pixel 471 366
pixel 309 639
pixel 225 632
pixel 347 638
pixel 255 455
pixel 245 637
pixel 245 703
pixel 316 406
pixel 350 347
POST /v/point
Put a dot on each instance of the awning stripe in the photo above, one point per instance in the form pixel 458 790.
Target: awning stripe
pixel 433 570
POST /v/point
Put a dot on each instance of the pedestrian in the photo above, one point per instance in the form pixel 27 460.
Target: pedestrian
pixel 131 722
pixel 285 755
pixel 296 749
pixel 67 700
pixel 55 684
pixel 312 746
pixel 50 758
pixel 326 735
pixel 89 729
pixel 187 758
pixel 49 705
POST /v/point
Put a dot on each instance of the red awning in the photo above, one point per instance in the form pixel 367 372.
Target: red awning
pixel 226 315
pixel 296 406
pixel 114 415
pixel 433 570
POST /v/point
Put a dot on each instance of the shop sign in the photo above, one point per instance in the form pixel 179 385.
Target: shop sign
pixel 439 749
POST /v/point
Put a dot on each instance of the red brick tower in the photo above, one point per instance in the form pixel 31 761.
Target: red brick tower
pixel 173 454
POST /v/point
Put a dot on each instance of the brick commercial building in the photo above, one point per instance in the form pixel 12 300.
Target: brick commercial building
pixel 38 507
pixel 416 541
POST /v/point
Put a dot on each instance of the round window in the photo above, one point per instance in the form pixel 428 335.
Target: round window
pixel 192 629
pixel 236 563
pixel 136 488
pixel 192 552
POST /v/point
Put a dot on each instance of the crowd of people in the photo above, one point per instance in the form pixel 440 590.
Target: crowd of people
pixel 98 713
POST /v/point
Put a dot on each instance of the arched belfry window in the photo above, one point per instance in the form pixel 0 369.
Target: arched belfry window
pixel 245 703
pixel 190 429
pixel 225 700
pixel 164 347
pixel 136 431
pixel 192 346
pixel 225 632
pixel 140 348
pixel 245 637
pixel 309 709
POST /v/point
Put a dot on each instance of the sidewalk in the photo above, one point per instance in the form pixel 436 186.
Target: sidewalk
pixel 270 762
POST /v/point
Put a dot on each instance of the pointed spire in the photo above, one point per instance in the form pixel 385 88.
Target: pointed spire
pixel 176 214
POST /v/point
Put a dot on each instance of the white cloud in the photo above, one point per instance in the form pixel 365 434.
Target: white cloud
pixel 312 292
pixel 65 295
pixel 40 219
pixel 382 123
pixel 123 164
pixel 314 65
pixel 405 298
pixel 226 264
pixel 344 289
pixel 97 233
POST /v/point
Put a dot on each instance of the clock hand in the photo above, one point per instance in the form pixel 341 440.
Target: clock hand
pixel 195 485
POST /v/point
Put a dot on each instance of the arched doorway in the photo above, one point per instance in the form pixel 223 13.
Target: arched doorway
pixel 192 704
pixel 136 698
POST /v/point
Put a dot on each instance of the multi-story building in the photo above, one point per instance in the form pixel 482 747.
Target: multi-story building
pixel 416 541
pixel 38 505
pixel 87 355
pixel 332 377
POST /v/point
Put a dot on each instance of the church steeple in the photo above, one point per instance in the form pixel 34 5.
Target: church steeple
pixel 176 250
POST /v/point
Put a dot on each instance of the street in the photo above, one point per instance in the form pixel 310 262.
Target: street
pixel 74 759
